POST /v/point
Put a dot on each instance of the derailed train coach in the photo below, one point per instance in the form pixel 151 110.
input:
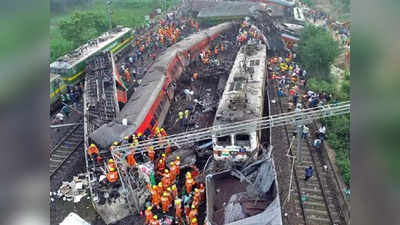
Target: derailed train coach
pixel 246 197
pixel 148 106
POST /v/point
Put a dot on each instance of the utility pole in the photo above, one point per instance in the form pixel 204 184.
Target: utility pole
pixel 109 12
pixel 299 141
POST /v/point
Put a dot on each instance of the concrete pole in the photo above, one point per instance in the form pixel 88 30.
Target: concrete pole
pixel 299 141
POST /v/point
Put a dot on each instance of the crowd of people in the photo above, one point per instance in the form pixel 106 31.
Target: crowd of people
pixel 148 45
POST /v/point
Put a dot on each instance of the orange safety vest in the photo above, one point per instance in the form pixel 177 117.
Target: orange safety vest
pixel 155 197
pixel 189 184
pixel 192 214
pixel 165 203
pixel 131 160
pixel 93 150
pixel 161 165
pixel 166 181
pixel 149 216
pixel 178 211
pixel 151 153
pixel 112 177
pixel 154 222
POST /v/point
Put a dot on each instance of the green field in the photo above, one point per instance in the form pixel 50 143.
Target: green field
pixel 124 12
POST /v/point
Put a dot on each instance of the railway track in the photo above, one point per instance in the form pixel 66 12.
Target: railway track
pixel 315 198
pixel 59 154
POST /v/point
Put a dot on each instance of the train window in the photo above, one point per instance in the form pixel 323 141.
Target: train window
pixel 224 141
pixel 242 139
pixel 254 62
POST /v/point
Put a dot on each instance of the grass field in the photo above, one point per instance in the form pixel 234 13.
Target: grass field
pixel 124 12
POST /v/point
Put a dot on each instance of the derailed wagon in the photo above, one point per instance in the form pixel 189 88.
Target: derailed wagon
pixel 247 197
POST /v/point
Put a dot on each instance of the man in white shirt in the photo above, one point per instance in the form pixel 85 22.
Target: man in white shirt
pixel 321 132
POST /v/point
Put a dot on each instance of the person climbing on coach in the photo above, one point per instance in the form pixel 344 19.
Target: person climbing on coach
pixel 94 153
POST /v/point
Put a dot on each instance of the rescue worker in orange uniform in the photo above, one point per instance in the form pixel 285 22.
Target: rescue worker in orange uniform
pixel 177 161
pixel 189 183
pixel 94 153
pixel 178 210
pixel 151 153
pixel 112 176
pixel 193 213
pixel 202 191
pixel 172 169
pixel 169 193
pixel 166 179
pixel 165 203
pixel 111 165
pixel 174 191
pixel 160 189
pixel 155 221
pixel 131 157
pixel 168 150
pixel 162 132
pixel 194 221
pixel 155 198
pixel 149 215
pixel 161 165
pixel 222 47
pixel 196 198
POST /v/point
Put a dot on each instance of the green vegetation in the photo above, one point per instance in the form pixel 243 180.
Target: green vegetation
pixel 71 26
pixel 317 50
pixel 338 128
pixel 307 2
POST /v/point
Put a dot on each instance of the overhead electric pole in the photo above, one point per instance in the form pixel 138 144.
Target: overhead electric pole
pixel 109 12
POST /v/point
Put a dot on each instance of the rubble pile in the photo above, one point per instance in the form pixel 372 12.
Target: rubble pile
pixel 74 190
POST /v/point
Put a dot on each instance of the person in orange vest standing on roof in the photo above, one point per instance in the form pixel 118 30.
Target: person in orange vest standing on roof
pixel 148 215
pixel 161 165
pixel 177 163
pixel 111 165
pixel 94 153
pixel 174 191
pixel 172 169
pixel 131 156
pixel 155 198
pixel 165 202
pixel 166 179
pixel 196 198
pixel 155 221
pixel 202 191
pixel 178 210
pixel 151 153
pixel 194 221
pixel 112 176
pixel 160 189
pixel 189 183
pixel 193 213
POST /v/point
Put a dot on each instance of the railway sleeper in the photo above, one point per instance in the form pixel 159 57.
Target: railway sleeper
pixel 319 213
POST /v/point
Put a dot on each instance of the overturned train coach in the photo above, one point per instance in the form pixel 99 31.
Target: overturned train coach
pixel 148 106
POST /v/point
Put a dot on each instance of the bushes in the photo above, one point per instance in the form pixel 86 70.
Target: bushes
pixel 338 128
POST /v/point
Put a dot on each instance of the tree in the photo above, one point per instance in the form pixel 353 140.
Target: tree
pixel 317 50
pixel 82 26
